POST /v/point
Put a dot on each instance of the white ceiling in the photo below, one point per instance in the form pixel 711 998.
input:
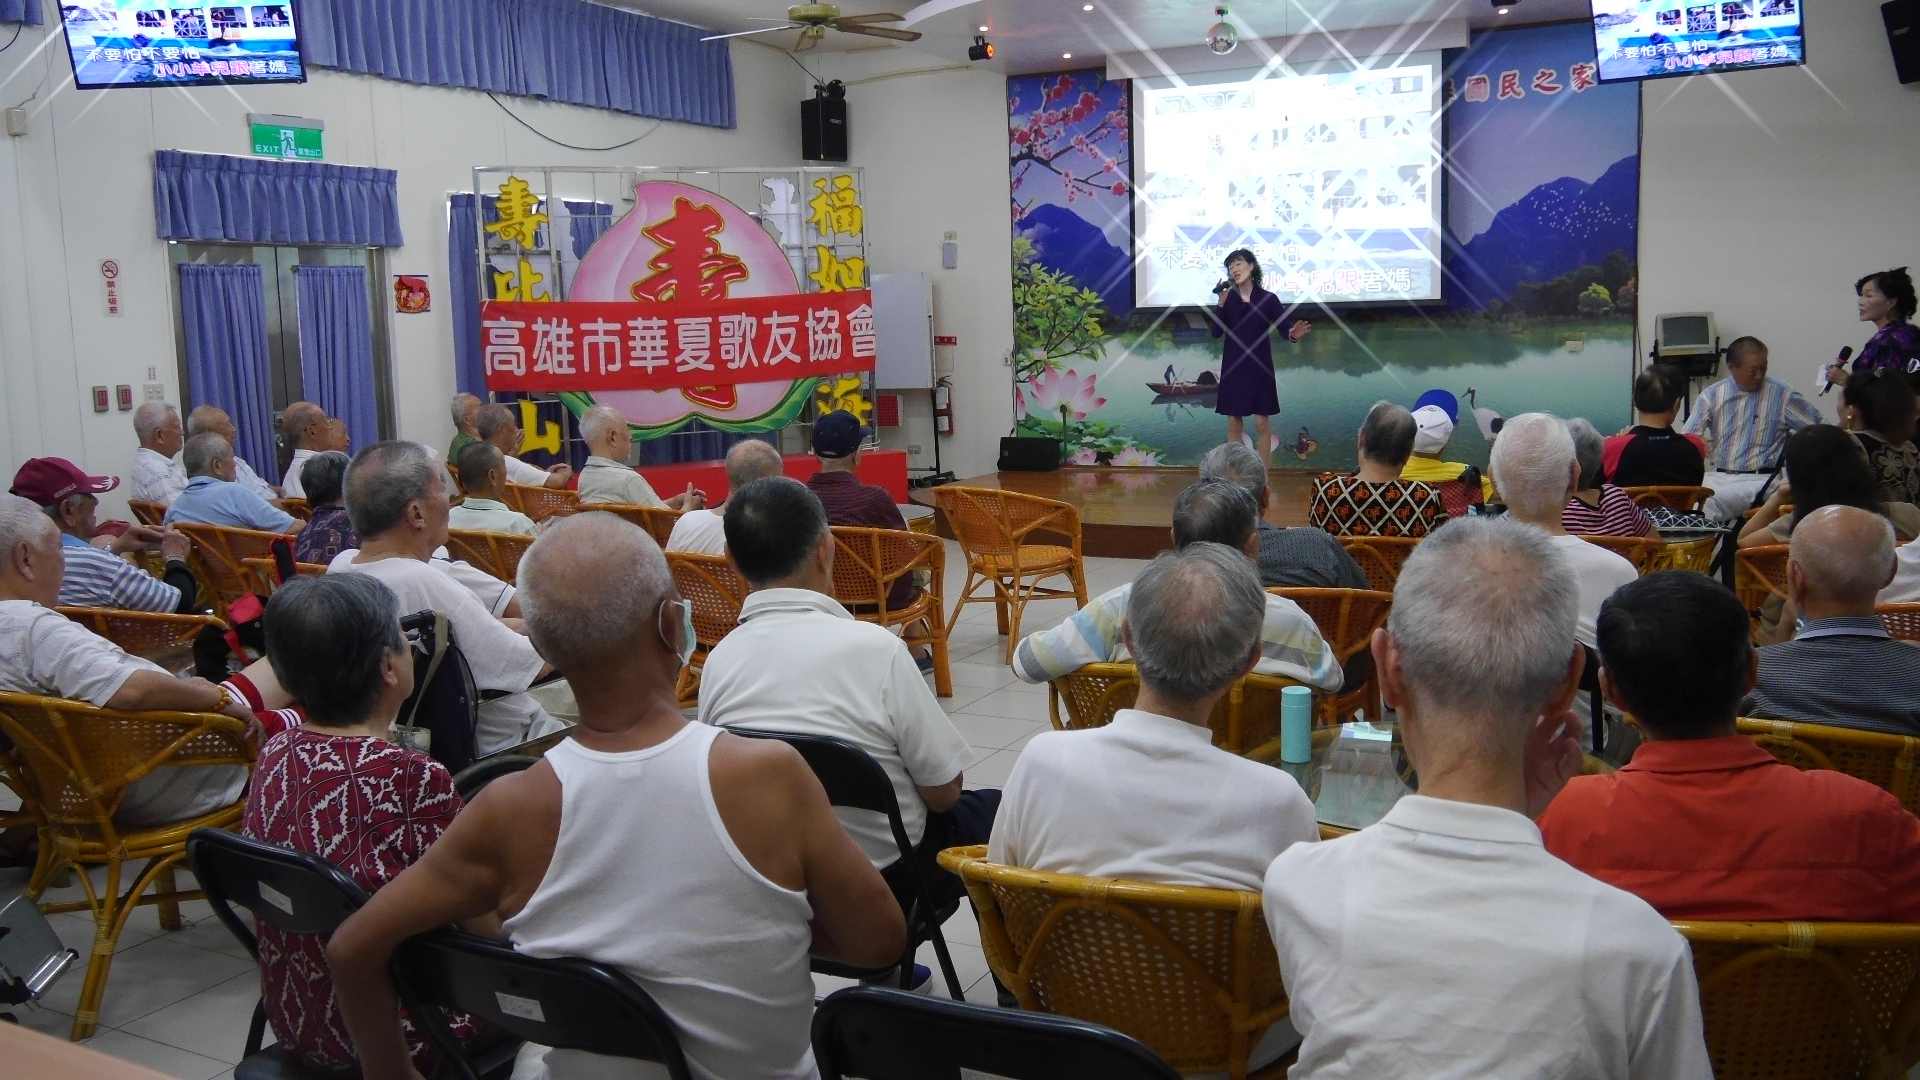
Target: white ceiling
pixel 1031 35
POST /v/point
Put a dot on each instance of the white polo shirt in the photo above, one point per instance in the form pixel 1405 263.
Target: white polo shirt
pixel 1445 942
pixel 290 483
pixel 1599 573
pixel 486 515
pixel 604 480
pixel 702 532
pixel 799 663
pixel 519 472
pixel 1148 798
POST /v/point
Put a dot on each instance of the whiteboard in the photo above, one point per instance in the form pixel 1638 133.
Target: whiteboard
pixel 903 331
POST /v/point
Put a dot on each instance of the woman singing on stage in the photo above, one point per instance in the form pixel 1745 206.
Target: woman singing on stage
pixel 1887 301
pixel 1246 315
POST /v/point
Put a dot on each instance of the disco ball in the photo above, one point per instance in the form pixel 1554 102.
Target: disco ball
pixel 1222 38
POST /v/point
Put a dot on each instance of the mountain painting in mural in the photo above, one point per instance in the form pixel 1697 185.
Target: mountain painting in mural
pixel 1555 228
pixel 1066 242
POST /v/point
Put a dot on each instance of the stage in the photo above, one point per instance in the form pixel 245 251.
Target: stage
pixel 1127 513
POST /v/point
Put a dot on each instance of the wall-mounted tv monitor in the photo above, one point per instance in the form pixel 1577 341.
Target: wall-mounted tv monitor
pixel 1652 39
pixel 150 43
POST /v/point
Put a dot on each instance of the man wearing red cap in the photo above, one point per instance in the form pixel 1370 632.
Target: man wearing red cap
pixel 96 575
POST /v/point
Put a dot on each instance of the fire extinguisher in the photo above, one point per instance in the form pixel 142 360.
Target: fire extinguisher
pixel 943 407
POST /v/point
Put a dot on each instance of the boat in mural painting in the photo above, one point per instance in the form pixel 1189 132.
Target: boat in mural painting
pixel 1205 385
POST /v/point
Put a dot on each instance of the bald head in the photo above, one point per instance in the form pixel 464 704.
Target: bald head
pixel 1842 556
pixel 210 418
pixel 304 425
pixel 750 460
pixel 590 591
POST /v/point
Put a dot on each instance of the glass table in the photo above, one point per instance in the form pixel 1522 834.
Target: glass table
pixel 1357 772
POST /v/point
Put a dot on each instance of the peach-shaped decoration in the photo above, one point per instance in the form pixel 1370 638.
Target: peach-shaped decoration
pixel 619 259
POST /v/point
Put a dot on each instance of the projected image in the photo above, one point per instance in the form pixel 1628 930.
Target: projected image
pixel 132 43
pixel 1328 178
pixel 1644 39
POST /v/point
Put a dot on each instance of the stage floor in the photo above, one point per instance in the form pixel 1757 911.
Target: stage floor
pixel 1126 513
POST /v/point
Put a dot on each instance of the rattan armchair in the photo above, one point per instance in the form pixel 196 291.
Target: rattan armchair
pixel 496 553
pixel 1246 721
pixel 79 762
pixel 1347 619
pixel 1190 972
pixel 219 559
pixel 993 527
pixel 299 508
pixel 716 590
pixel 1695 553
pixel 541 503
pixel 1638 550
pixel 266 576
pixel 657 520
pixel 1886 761
pixel 1760 572
pixel 150 635
pixel 1683 499
pixel 866 565
pixel 1902 620
pixel 1808 1001
pixel 1380 557
pixel 148 513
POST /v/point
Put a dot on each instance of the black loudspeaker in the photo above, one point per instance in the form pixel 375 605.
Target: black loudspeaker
pixel 1903 33
pixel 823 129
pixel 1023 454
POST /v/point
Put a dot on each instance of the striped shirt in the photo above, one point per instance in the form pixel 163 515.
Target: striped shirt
pixel 1290 643
pixel 1617 515
pixel 1748 429
pixel 101 579
pixel 155 478
pixel 1848 671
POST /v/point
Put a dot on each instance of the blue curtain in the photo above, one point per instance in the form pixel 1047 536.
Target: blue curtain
pixel 20 11
pixel 336 347
pixel 563 50
pixel 224 310
pixel 587 222
pixel 463 281
pixel 212 197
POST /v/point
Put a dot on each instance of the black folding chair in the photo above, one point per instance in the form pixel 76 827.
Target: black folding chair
pixel 478 775
pixel 563 1003
pixel 853 779
pixel 295 891
pixel 880 1034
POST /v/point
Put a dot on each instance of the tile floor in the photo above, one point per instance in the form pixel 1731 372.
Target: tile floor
pixel 180 1002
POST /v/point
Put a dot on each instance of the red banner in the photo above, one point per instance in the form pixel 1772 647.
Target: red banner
pixel 633 346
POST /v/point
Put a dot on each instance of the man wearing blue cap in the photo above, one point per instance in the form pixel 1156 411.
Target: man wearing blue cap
pixel 836 445
pixel 1435 415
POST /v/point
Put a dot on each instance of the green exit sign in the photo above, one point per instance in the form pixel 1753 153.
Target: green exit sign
pixel 291 137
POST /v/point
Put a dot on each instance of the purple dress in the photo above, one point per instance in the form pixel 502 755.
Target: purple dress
pixel 1894 345
pixel 1246 364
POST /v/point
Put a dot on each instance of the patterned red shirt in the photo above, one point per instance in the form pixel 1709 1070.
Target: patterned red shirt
pixel 1350 506
pixel 368 806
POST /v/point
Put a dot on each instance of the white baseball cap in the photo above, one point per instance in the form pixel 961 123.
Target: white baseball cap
pixel 1435 429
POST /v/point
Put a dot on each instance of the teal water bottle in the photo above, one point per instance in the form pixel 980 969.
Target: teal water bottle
pixel 1296 724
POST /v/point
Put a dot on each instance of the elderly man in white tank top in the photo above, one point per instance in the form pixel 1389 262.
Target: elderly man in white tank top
pixel 704 865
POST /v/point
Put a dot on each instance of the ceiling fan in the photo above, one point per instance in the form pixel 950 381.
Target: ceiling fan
pixel 814 20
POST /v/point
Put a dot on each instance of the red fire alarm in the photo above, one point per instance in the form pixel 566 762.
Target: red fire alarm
pixel 99 399
pixel 124 394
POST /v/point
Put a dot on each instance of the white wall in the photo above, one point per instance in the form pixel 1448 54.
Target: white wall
pixel 1765 195
pixel 78 189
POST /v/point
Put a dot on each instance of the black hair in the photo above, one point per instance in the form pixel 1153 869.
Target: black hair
pixel 475 461
pixel 1245 255
pixel 1676 645
pixel 1216 511
pixel 772 526
pixel 326 639
pixel 1896 285
pixel 323 476
pixel 1885 400
pixel 1656 388
pixel 1387 434
pixel 1826 467
pixel 1749 343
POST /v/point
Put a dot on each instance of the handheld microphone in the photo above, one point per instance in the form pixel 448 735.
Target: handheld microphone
pixel 1826 384
pixel 1222 287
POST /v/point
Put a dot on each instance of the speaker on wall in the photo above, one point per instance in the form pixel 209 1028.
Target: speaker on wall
pixel 823 128
pixel 1903 34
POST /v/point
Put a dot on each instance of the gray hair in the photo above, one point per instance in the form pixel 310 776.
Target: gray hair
pixel 1845 553
pixel 1194 618
pixel 460 403
pixel 1483 617
pixel 198 420
pixel 1236 463
pixel 383 480
pixel 202 451
pixel 1588 449
pixel 1214 511
pixel 596 422
pixel 327 637
pixel 22 521
pixel 150 417
pixel 1387 434
pixel 323 477
pixel 492 419
pixel 1532 462
pixel 590 590
pixel 749 460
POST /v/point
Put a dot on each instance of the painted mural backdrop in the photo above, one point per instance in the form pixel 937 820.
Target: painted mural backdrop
pixel 1540 262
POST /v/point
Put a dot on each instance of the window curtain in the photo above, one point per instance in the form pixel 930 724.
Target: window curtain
pixel 213 197
pixel 20 11
pixel 563 50
pixel 224 311
pixel 336 347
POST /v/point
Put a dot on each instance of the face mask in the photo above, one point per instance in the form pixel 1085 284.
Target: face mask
pixel 688 639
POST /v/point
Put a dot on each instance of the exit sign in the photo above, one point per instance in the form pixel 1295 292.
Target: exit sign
pixel 292 137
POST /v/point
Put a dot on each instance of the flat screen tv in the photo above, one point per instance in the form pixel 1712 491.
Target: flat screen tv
pixel 1653 39
pixel 150 43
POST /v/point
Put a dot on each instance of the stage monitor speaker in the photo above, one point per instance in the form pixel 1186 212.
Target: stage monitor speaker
pixel 1024 454
pixel 823 129
pixel 1903 34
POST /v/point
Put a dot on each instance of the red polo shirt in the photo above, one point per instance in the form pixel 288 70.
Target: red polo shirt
pixel 1719 829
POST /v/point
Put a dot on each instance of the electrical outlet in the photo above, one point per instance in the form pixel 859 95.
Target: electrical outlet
pixel 914 449
pixel 153 391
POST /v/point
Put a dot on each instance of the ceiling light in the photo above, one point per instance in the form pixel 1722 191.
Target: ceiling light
pixel 983 29
pixel 1066 56
pixel 1501 11
pixel 1086 7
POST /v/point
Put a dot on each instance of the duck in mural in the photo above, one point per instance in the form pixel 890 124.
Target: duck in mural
pixel 1487 419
